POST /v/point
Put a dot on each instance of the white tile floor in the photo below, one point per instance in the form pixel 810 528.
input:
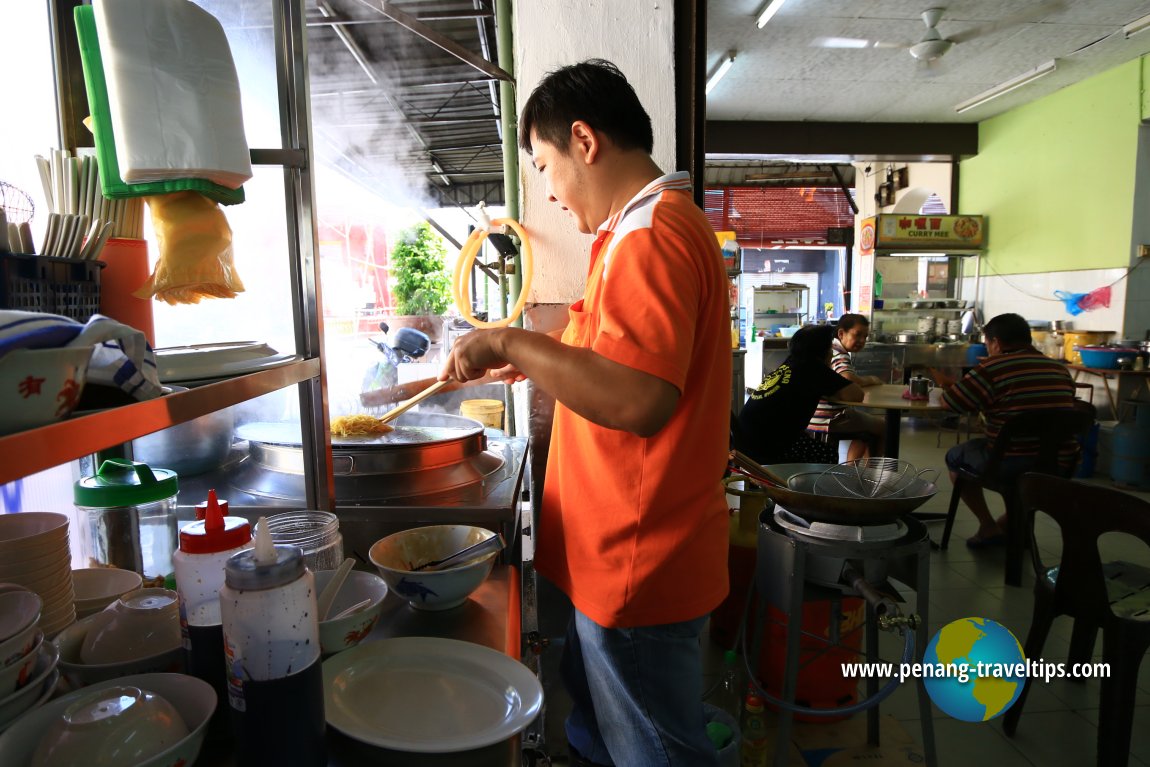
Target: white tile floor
pixel 1059 726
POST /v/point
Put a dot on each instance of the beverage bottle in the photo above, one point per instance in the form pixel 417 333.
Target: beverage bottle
pixel 271 648
pixel 205 548
pixel 753 750
pixel 728 693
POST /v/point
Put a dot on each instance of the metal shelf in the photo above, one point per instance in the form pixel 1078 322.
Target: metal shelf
pixel 34 450
pixel 38 449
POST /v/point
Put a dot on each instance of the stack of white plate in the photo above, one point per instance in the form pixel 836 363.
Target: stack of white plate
pixel 28 661
pixel 34 554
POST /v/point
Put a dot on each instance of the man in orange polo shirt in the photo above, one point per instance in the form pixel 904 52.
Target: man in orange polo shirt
pixel 633 524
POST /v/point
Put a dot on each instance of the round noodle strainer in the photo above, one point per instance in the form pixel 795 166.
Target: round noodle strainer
pixel 866 478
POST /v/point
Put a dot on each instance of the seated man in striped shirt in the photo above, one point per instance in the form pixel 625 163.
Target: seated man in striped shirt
pixel 1014 378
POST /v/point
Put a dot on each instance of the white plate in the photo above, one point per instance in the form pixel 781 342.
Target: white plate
pixel 429 695
pixel 207 361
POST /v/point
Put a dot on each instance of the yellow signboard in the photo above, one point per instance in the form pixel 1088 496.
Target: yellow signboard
pixel 904 231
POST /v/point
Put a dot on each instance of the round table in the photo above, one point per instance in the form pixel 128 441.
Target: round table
pixel 889 399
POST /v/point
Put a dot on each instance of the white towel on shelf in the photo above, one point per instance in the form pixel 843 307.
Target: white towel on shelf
pixel 121 356
pixel 173 92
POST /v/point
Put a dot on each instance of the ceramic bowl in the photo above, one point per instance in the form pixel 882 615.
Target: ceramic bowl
pixel 39 687
pixel 394 556
pixel 94 588
pixel 340 634
pixel 16 647
pixel 193 699
pixel 31 534
pixel 18 673
pixel 18 611
pixel 110 726
pixel 80 674
pixel 60 374
pixel 46 577
pixel 137 625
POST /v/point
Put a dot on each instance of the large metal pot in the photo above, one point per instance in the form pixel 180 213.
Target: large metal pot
pixel 427 453
pixel 190 448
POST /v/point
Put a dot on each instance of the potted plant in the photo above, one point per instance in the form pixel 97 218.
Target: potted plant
pixel 420 285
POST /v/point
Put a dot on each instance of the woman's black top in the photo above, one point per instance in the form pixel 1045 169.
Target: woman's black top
pixel 781 407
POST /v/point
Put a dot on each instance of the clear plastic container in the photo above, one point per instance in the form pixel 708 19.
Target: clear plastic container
pixel 131 512
pixel 316 533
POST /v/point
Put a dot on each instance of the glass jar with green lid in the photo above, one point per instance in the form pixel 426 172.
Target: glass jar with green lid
pixel 131 511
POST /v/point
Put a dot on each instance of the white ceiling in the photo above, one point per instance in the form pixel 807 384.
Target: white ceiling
pixel 779 74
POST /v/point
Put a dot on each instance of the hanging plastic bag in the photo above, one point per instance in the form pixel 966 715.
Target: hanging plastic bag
pixel 1071 301
pixel 195 250
pixel 1095 299
pixel 1076 303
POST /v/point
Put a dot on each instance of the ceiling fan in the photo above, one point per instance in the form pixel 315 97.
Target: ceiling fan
pixel 933 46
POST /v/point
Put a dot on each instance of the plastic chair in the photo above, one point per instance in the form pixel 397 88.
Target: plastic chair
pixel 1051 428
pixel 1109 596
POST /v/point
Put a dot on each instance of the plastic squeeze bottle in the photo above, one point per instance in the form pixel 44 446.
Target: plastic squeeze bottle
pixel 205 548
pixel 271 646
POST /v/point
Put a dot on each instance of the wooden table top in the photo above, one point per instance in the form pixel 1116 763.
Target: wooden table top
pixel 889 397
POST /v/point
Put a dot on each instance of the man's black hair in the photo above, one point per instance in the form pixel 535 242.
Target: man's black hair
pixel 812 343
pixel 594 91
pixel 1011 331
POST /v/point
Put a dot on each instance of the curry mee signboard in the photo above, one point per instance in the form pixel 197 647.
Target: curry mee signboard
pixel 921 232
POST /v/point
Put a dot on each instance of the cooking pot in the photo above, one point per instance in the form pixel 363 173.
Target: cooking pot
pixel 193 447
pixel 907 337
pixel 427 453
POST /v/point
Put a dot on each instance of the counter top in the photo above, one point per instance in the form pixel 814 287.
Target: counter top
pixel 490 617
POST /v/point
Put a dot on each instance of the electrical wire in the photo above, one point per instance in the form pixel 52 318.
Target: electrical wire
pixel 461 277
pixel 992 270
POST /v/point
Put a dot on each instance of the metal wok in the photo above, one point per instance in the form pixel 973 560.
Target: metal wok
pixel 799 497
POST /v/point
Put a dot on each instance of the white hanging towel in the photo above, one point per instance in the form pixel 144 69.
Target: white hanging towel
pixel 173 92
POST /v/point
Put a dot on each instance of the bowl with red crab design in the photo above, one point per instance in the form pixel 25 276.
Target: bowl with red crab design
pixel 40 386
pixel 341 632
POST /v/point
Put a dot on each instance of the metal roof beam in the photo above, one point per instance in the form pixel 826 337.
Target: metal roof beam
pixel 435 38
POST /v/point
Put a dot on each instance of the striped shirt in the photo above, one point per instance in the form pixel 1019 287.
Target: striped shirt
pixel 826 411
pixel 1012 383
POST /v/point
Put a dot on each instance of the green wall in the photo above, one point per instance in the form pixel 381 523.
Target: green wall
pixel 1056 177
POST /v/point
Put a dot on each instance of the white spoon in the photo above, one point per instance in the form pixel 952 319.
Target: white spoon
pixel 327 596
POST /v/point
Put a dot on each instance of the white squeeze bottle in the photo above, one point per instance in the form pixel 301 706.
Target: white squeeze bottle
pixel 271 646
pixel 206 545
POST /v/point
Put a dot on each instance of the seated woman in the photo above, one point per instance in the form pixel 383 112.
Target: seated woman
pixel 850 337
pixel 773 423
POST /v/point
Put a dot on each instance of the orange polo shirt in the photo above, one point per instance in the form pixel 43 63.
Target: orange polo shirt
pixel 634 529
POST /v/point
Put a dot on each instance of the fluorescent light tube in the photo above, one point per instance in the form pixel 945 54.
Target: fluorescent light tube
pixel 770 9
pixel 1136 26
pixel 724 67
pixel 1006 87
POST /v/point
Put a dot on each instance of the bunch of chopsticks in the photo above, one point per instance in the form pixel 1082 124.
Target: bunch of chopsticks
pixel 81 218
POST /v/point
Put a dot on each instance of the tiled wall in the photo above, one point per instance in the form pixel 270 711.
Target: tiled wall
pixel 1032 296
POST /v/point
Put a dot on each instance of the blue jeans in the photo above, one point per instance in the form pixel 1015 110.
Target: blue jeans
pixel 637 694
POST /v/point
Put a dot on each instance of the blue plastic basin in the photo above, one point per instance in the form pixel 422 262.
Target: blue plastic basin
pixel 1105 358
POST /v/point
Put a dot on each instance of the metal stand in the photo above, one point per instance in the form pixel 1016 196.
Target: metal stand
pixel 786 566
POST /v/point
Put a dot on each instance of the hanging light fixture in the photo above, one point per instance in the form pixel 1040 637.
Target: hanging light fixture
pixel 721 71
pixel 769 10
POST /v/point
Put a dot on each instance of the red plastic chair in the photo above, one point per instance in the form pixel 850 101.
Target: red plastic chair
pixel 1109 596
